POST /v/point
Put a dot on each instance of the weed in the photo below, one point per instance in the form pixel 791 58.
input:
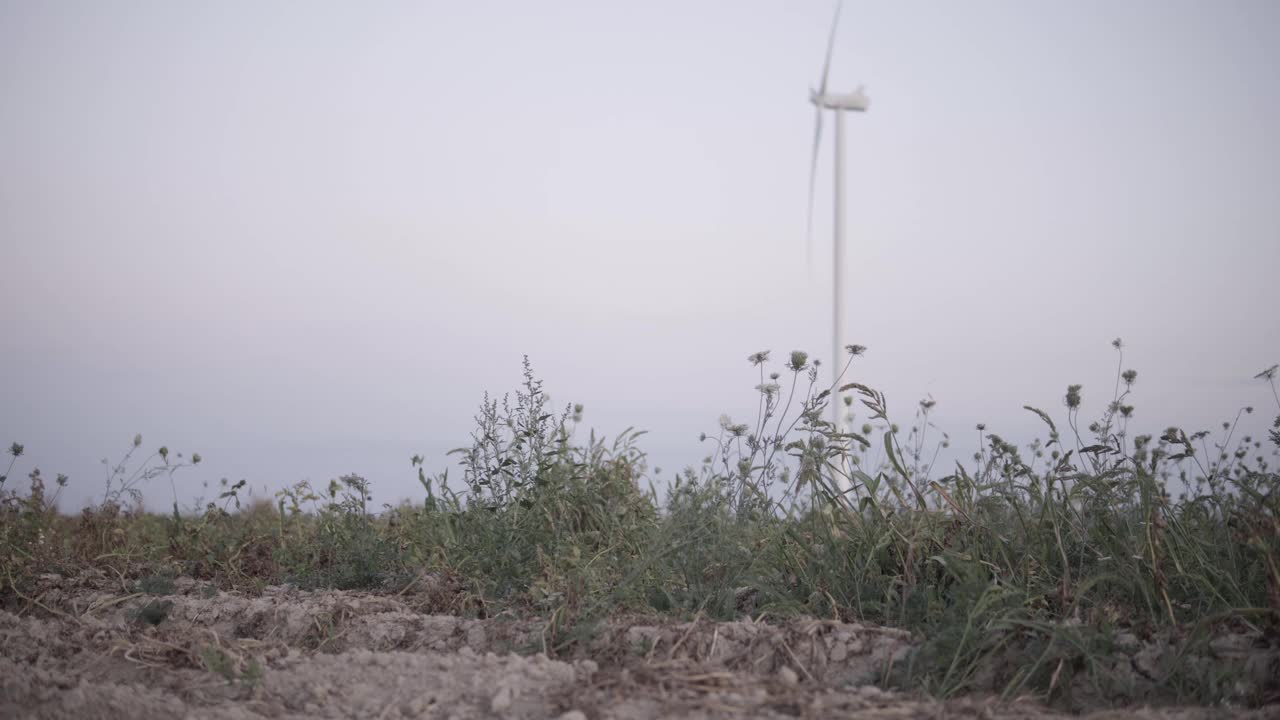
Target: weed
pixel 153 612
pixel 231 667
pixel 156 585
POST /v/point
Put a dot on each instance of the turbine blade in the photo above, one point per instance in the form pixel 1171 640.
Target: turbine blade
pixel 813 178
pixel 817 134
pixel 831 46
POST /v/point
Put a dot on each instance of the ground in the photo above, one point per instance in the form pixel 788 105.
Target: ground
pixel 80 648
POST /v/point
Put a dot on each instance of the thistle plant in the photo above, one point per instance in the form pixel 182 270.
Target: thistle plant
pixel 748 457
pixel 123 483
pixel 1270 376
pixel 15 451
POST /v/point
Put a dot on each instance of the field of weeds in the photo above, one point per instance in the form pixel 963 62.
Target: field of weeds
pixel 799 571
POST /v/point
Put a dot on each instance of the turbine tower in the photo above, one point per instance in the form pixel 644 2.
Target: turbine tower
pixel 856 101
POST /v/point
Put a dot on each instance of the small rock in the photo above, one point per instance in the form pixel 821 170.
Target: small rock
pixel 574 715
pixel 788 676
pixel 1127 641
pixel 502 701
pixel 476 636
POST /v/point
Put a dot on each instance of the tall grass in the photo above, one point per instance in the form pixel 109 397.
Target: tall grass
pixel 1018 569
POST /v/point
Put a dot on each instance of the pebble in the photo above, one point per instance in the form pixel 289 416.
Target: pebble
pixel 788 676
pixel 502 701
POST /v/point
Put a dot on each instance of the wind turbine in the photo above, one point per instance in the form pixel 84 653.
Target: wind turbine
pixel 856 101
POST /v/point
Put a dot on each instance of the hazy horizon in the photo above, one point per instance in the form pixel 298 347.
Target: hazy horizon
pixel 304 244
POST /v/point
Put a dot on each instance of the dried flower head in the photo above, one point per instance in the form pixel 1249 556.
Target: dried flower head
pixel 768 389
pixel 1073 396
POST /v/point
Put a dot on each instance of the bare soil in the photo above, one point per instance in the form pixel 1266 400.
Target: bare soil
pixel 89 647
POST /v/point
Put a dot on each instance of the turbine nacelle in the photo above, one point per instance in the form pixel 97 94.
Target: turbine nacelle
pixel 856 101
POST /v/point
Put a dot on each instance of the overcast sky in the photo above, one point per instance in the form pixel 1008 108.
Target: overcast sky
pixel 303 239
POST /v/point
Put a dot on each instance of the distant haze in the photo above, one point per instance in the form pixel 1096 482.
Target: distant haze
pixel 303 239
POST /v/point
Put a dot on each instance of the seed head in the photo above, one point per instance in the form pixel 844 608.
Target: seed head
pixel 1073 396
pixel 799 360
pixel 855 350
pixel 768 389
pixel 758 358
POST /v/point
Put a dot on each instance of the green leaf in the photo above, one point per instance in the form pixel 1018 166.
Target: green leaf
pixel 893 456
